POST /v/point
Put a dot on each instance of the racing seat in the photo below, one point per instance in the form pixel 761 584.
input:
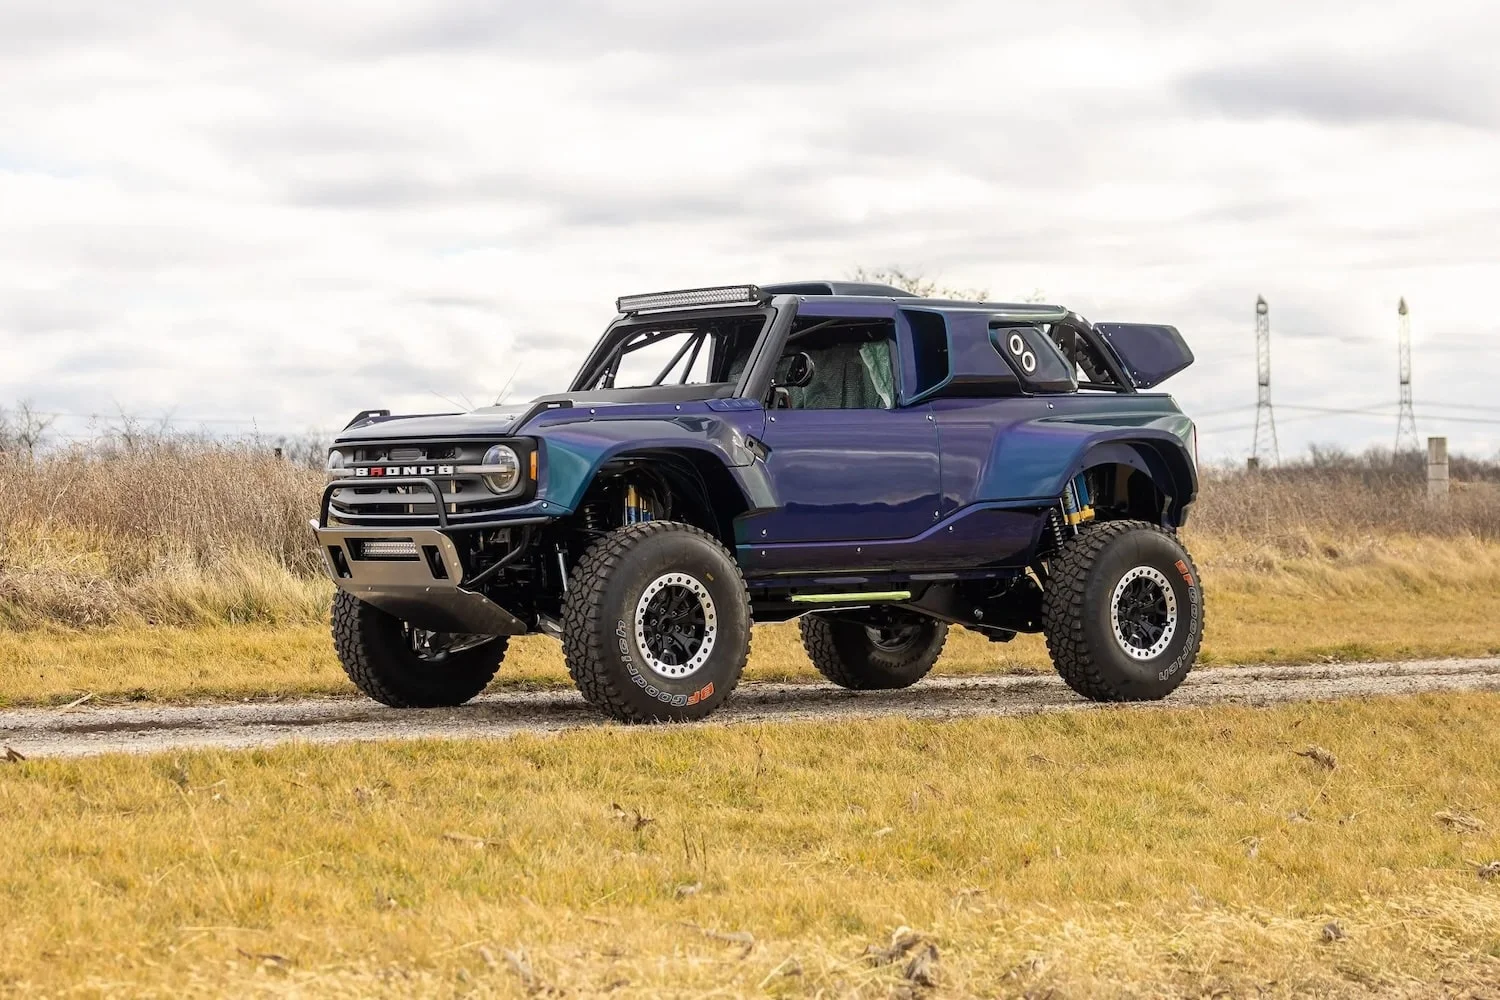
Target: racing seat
pixel 848 376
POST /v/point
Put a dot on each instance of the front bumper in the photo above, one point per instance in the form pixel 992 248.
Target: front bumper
pixel 414 573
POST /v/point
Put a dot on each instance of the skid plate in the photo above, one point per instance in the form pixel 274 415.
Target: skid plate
pixel 425 590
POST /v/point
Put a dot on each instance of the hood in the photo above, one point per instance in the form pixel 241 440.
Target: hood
pixel 486 422
pixel 502 421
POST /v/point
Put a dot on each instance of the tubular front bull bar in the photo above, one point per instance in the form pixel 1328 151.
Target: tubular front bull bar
pixel 339 484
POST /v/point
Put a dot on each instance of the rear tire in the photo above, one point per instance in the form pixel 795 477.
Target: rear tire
pixel 377 654
pixel 848 654
pixel 656 625
pixel 1123 612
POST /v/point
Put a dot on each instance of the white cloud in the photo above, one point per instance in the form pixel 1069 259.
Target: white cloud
pixel 290 211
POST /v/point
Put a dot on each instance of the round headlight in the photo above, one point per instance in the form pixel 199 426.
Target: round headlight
pixel 335 463
pixel 502 469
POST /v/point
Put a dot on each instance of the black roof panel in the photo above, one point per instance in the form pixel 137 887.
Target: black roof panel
pixel 869 288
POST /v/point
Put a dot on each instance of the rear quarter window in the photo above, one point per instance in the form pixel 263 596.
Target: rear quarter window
pixel 929 343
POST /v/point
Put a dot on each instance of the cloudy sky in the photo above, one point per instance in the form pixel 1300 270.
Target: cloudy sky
pixel 270 215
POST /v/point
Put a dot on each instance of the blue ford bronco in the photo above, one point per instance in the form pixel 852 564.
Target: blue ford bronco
pixel 877 465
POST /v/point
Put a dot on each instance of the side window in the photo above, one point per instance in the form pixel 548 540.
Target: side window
pixel 929 341
pixel 852 365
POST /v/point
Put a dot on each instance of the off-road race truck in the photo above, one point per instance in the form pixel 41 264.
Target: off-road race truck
pixel 878 465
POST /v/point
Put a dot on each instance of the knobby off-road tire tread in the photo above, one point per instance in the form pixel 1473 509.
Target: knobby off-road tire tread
pixel 586 644
pixel 818 639
pixel 361 659
pixel 1063 607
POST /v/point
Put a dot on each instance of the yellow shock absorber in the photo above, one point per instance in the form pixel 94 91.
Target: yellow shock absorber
pixel 1076 506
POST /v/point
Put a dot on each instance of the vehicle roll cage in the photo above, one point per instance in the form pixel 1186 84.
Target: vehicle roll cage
pixel 1076 337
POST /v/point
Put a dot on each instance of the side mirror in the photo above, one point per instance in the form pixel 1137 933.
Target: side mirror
pixel 795 370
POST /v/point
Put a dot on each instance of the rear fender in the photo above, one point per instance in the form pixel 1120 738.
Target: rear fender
pixel 1038 458
pixel 1164 460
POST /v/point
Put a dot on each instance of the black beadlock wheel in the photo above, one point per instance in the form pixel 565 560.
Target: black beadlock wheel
pixel 894 654
pixel 402 667
pixel 656 625
pixel 1123 612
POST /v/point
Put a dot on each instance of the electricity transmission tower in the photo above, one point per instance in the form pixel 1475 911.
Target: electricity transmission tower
pixel 1265 416
pixel 1406 420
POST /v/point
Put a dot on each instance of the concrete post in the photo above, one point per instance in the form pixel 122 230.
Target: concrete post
pixel 1437 468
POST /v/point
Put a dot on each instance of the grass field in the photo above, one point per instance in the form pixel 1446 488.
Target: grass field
pixel 1122 852
pixel 175 568
pixel 1387 598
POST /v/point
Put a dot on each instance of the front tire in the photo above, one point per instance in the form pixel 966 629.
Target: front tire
pixel 1123 612
pixel 380 656
pixel 656 625
pixel 868 658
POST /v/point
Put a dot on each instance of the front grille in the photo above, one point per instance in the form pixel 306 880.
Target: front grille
pixel 464 496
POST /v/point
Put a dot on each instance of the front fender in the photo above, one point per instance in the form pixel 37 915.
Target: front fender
pixel 577 449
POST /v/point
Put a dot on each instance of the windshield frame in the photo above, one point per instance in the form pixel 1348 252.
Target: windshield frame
pixel 773 315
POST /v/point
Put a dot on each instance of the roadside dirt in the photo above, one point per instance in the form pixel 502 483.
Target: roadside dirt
pixel 82 731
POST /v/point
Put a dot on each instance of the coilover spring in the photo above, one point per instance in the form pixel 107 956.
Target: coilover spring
pixel 1055 518
pixel 593 518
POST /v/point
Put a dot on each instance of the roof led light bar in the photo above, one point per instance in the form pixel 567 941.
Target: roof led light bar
pixel 690 298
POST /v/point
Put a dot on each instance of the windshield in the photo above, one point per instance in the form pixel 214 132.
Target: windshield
pixel 675 352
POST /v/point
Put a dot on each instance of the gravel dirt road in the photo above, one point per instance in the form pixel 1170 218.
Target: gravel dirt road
pixel 84 730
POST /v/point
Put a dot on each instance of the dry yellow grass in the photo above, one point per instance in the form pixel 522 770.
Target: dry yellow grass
pixel 181 569
pixel 1354 596
pixel 1372 598
pixel 184 532
pixel 1122 852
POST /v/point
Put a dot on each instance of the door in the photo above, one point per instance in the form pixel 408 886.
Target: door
pixel 844 462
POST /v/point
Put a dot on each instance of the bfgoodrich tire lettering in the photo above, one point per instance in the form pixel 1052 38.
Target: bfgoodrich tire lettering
pixel 619 581
pixel 377 655
pixel 1096 655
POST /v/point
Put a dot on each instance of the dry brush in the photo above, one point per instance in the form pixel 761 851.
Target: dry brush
pixel 187 531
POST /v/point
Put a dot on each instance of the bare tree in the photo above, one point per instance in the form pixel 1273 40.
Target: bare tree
pixel 918 284
pixel 24 429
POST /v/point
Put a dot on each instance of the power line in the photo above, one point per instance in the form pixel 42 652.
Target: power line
pixel 1378 409
pixel 1242 408
pixel 1353 413
pixel 1426 405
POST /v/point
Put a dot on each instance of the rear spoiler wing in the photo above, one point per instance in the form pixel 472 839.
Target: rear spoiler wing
pixel 1151 353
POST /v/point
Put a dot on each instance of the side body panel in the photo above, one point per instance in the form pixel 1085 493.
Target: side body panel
pixel 978 541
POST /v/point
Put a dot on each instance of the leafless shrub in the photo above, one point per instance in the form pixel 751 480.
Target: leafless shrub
pixel 1335 494
pixel 165 528
pixel 24 429
pixel 146 523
